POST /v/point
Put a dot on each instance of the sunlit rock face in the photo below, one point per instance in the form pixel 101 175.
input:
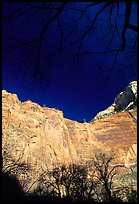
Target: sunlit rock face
pixel 125 100
pixel 36 138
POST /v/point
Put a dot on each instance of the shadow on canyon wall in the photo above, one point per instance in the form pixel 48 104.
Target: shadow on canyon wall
pixel 13 193
pixel 77 188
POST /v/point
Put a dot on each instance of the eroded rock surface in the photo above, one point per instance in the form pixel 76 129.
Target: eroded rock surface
pixel 40 137
pixel 125 100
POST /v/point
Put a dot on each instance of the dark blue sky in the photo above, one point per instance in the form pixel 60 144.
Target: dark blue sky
pixel 80 89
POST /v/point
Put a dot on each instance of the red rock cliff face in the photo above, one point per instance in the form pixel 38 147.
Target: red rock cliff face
pixel 42 137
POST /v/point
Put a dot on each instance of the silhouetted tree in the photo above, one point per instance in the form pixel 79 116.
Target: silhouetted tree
pixel 49 29
pixel 13 164
pixel 66 182
pixel 104 174
pixel 93 182
pixel 104 171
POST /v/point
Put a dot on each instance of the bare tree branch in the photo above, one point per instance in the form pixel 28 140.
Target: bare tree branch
pixel 92 24
pixel 16 13
pixel 127 25
pixel 72 31
pixel 132 27
pixel 51 20
pixel 84 10
pixel 42 7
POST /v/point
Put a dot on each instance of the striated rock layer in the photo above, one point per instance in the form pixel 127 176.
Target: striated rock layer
pixel 41 137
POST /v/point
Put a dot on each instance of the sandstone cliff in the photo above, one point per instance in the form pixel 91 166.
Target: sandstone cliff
pixel 40 137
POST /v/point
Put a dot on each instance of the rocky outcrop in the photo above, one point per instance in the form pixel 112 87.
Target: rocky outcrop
pixel 36 138
pixel 125 100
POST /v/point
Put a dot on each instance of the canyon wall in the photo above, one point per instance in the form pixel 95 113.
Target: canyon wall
pixel 41 137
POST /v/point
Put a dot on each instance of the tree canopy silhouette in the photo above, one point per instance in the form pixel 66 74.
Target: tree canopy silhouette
pixel 44 33
pixel 74 183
